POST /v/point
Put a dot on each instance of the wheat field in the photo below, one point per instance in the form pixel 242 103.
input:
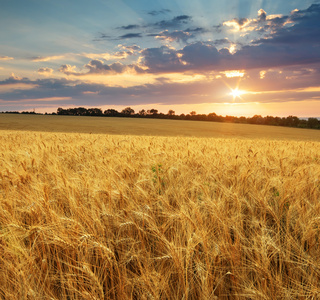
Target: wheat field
pixel 93 216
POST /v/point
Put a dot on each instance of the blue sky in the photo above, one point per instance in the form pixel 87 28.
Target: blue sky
pixel 181 55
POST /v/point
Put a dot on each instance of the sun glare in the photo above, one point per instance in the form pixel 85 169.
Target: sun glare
pixel 236 93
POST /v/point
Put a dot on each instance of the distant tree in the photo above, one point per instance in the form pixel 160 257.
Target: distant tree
pixel 79 111
pixel 193 113
pixel 230 119
pixel 269 120
pixel 242 120
pixel 94 112
pixel 303 123
pixel 142 112
pixel 214 117
pixel 200 117
pixel 182 117
pixel 256 119
pixel 61 111
pixel 313 123
pixel 171 112
pixel 111 112
pixel 128 111
pixel 292 121
pixel 152 112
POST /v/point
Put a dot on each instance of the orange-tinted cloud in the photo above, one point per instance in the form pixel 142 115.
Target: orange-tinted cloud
pixel 6 57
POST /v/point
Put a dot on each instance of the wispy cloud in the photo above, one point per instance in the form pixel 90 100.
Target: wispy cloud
pixel 158 12
pixel 109 56
pixel 6 57
pixel 47 58
pixel 130 27
pixel 130 36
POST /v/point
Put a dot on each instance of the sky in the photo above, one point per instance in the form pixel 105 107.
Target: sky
pixel 236 57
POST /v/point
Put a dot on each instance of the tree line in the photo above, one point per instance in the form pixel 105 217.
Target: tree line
pixel 290 121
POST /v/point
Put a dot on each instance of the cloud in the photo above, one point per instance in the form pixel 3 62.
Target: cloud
pixel 237 24
pixel 97 67
pixel 13 79
pixel 262 15
pixel 102 36
pixel 47 58
pixel 130 48
pixel 263 24
pixel 200 55
pixel 287 40
pixel 278 85
pixel 130 36
pixel 6 58
pixel 111 56
pixel 130 27
pixel 220 42
pixel 164 91
pixel 175 22
pixel 303 29
pixel 158 12
pixel 196 30
pixel 69 70
pixel 177 35
pixel 45 71
pixel 162 59
pixel 296 43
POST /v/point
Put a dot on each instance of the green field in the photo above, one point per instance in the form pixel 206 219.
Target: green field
pixel 152 127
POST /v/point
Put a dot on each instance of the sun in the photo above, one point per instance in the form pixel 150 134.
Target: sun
pixel 236 93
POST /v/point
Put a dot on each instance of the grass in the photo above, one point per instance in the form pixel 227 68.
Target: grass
pixel 97 216
pixel 152 127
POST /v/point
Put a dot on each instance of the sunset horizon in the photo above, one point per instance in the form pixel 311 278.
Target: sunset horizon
pixel 241 58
